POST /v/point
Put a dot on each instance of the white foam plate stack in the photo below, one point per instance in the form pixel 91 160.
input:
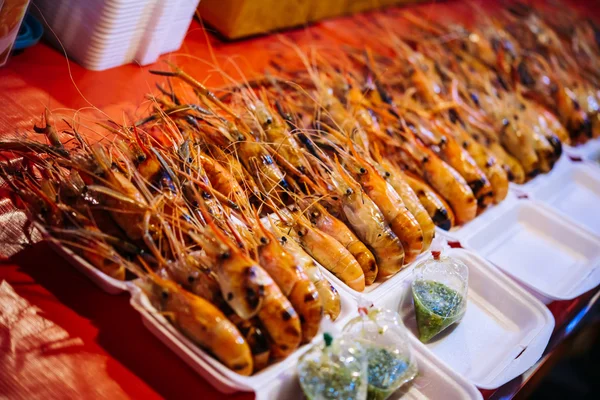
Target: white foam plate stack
pixel 102 34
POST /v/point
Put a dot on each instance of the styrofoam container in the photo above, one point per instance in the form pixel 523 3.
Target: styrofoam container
pixel 542 249
pixel 575 192
pixel 108 284
pixel 589 151
pixel 377 288
pixel 435 380
pixel 502 334
pixel 528 186
pixel 221 377
pixel 480 219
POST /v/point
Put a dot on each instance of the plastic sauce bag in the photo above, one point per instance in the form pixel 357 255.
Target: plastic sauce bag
pixel 334 369
pixel 439 291
pixel 391 363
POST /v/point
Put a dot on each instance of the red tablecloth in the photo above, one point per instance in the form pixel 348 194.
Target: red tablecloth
pixel 113 341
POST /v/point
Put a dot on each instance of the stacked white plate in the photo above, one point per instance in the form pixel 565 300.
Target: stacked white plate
pixel 102 34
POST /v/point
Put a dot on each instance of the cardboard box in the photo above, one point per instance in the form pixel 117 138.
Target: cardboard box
pixel 235 19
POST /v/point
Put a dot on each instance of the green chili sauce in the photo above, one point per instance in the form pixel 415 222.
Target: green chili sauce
pixel 436 307
pixel 386 372
pixel 329 380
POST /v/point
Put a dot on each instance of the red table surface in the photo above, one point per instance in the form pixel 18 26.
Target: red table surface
pixel 115 342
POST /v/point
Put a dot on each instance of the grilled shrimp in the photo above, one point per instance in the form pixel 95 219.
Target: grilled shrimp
pixel 236 169
pixel 395 177
pixel 126 203
pixel 399 218
pixel 292 280
pixel 222 180
pixel 250 291
pixel 202 322
pixel 440 213
pixel 332 226
pixel 256 338
pixel 328 252
pixel 514 169
pixel 329 296
pixel 278 136
pixel 485 161
pixel 368 223
pixel 256 158
pixel 446 181
pixel 101 255
pixel 195 278
pixel 280 321
pixel 241 279
pixel 458 158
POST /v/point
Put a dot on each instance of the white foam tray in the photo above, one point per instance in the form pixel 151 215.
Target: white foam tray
pixel 221 377
pixel 105 34
pixel 103 281
pixel 541 248
pixel 573 190
pixel 280 380
pixel 503 333
pixel 589 151
pixel 435 378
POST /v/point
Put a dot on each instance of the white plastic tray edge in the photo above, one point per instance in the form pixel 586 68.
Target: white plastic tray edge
pixel 586 150
pixel 536 345
pixel 108 284
pixel 423 352
pixel 210 369
pixel 222 378
pixel 586 283
pixel 460 232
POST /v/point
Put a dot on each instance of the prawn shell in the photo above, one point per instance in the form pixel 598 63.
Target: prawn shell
pixel 330 298
pixel 256 339
pixel 281 322
pixel 514 170
pixel 221 179
pixel 489 165
pixel 307 303
pixel 204 324
pixel 411 201
pixel 459 159
pixel 130 218
pixel 400 220
pixel 369 225
pixel 242 283
pixel 438 210
pixel 452 187
pixel 279 265
pixel 106 265
pixel 294 284
pixel 332 255
pixel 332 226
pixel 257 159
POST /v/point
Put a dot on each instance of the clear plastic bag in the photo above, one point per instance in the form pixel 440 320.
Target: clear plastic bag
pixel 440 287
pixel 390 360
pixel 334 369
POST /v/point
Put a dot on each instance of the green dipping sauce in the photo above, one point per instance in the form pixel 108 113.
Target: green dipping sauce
pixel 386 372
pixel 436 307
pixel 330 381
